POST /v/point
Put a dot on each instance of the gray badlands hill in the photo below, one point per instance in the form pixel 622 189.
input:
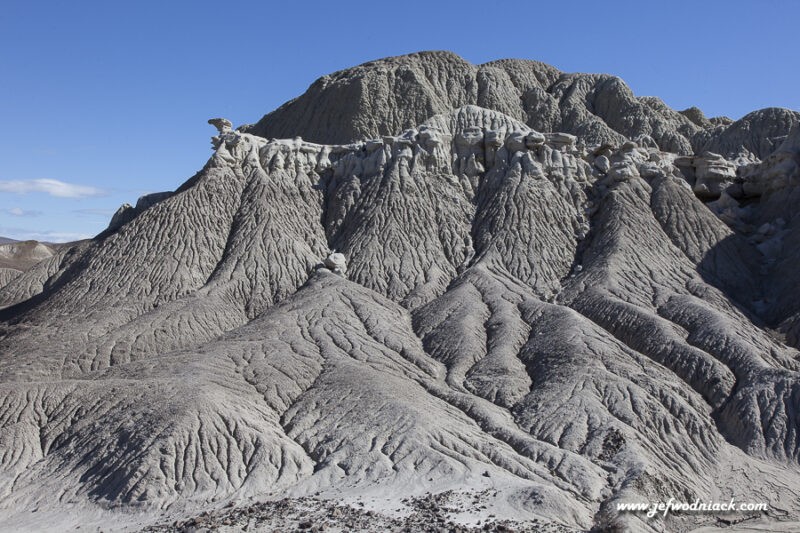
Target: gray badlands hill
pixel 389 95
pixel 22 255
pixel 18 256
pixel 545 325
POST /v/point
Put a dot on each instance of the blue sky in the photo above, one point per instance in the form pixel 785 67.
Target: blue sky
pixel 105 101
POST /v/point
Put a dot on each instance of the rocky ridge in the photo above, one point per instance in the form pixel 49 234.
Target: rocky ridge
pixel 389 95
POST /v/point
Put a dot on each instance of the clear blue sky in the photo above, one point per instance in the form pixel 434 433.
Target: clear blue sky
pixel 105 101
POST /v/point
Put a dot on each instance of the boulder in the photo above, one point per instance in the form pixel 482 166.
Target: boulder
pixel 336 262
pixel 713 174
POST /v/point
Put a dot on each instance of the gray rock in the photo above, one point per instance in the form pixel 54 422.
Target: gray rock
pixel 226 135
pixel 713 174
pixel 561 139
pixel 149 200
pixel 122 216
pixel 223 125
pixel 602 164
pixel 127 212
pixel 336 262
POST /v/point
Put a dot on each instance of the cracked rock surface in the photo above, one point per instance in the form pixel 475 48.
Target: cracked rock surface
pixel 493 298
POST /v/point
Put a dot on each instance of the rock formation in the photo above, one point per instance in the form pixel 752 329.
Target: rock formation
pixel 127 212
pixel 550 291
pixel 392 94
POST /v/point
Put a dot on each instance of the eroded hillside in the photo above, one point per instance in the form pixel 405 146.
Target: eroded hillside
pixel 571 319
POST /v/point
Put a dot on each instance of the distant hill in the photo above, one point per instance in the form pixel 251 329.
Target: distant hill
pixel 18 256
pixel 21 255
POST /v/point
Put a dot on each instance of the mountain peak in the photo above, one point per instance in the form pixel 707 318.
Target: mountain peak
pixel 388 95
